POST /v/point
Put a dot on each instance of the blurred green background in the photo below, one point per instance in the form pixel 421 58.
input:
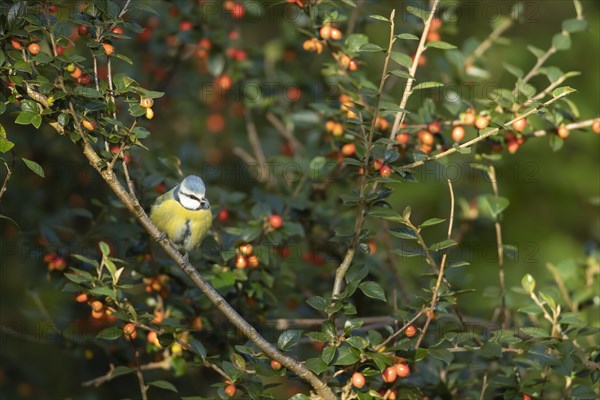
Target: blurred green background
pixel 552 214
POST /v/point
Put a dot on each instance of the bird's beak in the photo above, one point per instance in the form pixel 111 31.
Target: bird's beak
pixel 204 203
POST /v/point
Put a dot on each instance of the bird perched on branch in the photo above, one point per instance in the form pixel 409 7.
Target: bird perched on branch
pixel 183 213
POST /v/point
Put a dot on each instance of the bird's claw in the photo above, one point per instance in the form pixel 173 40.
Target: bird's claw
pixel 162 236
pixel 186 257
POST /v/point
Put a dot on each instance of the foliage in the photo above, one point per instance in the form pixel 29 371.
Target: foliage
pixel 325 127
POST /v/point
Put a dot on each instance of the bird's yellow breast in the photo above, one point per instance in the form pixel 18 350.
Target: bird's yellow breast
pixel 186 228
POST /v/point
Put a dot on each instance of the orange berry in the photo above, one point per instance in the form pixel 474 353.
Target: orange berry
pixel 152 338
pixel 215 122
pixel 377 164
pixel 246 249
pixel 118 30
pixel 230 390
pixel 81 298
pixel 223 82
pixel 240 262
pixel 34 48
pixel 149 113
pixel 275 221
pixel 335 34
pixel 482 122
pixel 130 331
pixel 353 66
pixel 402 370
pixel 253 261
pixel 512 146
pixel 403 138
pixel 433 36
pixel 325 31
pixel 344 61
pixel 76 73
pixel 109 49
pixel 468 117
pixel 97 314
pixel 15 44
pixel 596 126
pixel 358 380
pixel 436 23
pixel 431 314
pixel 425 137
pixel 97 305
pixel 87 124
pixel 382 123
pixel 458 133
pixel 338 129
pixel 410 331
pixel 275 365
pixel 348 149
pixel 159 316
pixel 520 125
pixel 389 374
pixel 563 131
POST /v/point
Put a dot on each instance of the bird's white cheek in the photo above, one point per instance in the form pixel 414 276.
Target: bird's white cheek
pixel 189 203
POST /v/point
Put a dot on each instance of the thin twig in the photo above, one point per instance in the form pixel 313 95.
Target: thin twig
pixel 340 273
pixel 412 72
pixel 164 364
pixel 561 286
pixel 434 296
pixel 7 177
pixel 296 145
pixel 488 42
pixel 399 331
pixel 484 136
pixel 259 154
pixel 491 171
pixel 484 386
pixel 140 376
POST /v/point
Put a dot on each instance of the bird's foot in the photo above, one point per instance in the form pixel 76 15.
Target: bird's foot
pixel 162 236
pixel 186 257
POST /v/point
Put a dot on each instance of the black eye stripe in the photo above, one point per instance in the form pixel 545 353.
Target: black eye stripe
pixel 191 196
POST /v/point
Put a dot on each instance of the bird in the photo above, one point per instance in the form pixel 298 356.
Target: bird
pixel 183 214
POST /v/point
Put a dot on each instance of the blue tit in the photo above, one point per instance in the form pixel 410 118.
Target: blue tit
pixel 183 213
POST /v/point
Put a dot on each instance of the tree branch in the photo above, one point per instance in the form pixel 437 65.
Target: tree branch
pixel 483 136
pixel 413 70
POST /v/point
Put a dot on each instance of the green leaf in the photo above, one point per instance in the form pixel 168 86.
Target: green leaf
pixel 436 44
pixel 373 290
pixel 562 91
pixel 356 273
pixel 496 204
pixel 407 36
pixel 357 342
pixel 316 365
pixel 401 74
pixel 490 350
pixel 36 121
pixel 431 222
pixel 289 339
pixel 328 354
pixel 25 117
pixel 317 302
pixel 87 92
pixel 370 48
pixel 419 12
pixel 401 59
pixel 121 370
pixel 427 85
pixel 346 356
pixel 124 58
pixel 528 283
pixel 574 25
pixel 382 360
pixel 380 18
pixel 103 291
pixel 5 145
pixel 444 244
pixel 163 385
pixel 403 233
pixel 104 249
pixel 561 41
pixel 442 355
pixel 517 72
pixel 197 347
pixel 35 167
pixel 111 333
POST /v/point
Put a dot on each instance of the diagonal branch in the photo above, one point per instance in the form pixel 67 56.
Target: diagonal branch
pixel 479 138
pixel 413 70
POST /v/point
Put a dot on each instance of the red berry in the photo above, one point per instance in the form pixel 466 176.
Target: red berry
pixel 59 50
pixel 185 26
pixel 527 397
pixel 482 122
pixel 385 171
pixel 118 30
pixel 358 380
pixel 402 370
pixel 83 30
pixel 434 127
pixel 223 82
pixel 238 10
pixel 425 137
pixel 275 221
pixel 389 374
pixel 223 215
pixel 410 331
